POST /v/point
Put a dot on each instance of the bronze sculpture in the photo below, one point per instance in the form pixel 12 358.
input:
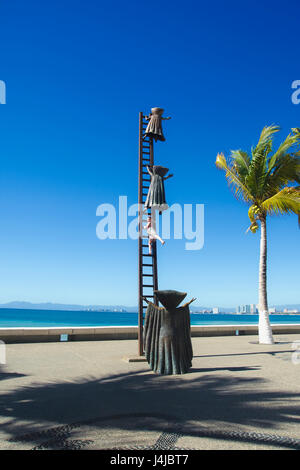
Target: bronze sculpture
pixel 154 128
pixel 156 198
pixel 167 335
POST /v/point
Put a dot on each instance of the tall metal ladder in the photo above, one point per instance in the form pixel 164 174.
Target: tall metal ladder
pixel 147 263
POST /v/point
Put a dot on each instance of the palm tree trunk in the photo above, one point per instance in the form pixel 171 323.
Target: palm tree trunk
pixel 264 326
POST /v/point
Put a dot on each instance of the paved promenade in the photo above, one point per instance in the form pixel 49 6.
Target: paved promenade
pixel 82 395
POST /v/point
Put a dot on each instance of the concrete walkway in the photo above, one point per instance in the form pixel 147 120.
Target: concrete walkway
pixel 82 395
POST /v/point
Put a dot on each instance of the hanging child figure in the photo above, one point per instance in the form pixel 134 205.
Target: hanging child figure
pixel 154 128
pixel 151 230
pixel 156 198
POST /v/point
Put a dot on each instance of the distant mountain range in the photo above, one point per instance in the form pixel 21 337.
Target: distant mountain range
pixel 118 308
pixel 71 307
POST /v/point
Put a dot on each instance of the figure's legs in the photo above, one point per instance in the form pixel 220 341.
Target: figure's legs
pixel 160 239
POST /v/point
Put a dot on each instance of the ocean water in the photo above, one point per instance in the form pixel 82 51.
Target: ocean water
pixel 52 318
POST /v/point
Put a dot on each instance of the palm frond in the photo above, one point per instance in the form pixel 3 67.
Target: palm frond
pixel 241 191
pixel 285 146
pixel 266 136
pixel 286 170
pixel 241 162
pixel 258 168
pixel 261 180
pixel 286 201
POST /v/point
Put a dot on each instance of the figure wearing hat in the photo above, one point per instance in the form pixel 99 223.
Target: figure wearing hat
pixel 154 128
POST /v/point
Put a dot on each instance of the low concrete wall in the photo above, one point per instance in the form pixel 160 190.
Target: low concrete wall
pixel 41 334
pixel 229 330
pixel 99 333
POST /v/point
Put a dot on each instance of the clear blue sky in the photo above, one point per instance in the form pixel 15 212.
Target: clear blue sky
pixel 77 74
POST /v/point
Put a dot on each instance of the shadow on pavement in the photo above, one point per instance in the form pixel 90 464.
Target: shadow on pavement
pixel 208 399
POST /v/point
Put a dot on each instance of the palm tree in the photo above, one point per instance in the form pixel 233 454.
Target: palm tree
pixel 262 180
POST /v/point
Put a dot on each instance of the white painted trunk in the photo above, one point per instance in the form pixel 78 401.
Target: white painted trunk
pixel 264 326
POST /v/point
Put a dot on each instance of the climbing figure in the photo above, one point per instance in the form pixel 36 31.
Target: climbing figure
pixel 151 230
pixel 156 198
pixel 154 128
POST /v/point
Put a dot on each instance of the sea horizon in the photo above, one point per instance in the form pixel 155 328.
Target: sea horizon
pixel 14 318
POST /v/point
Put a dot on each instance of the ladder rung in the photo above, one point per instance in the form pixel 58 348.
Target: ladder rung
pixel 147 285
pixel 145 254
pixel 151 265
pixel 145 246
pixel 148 295
pixel 148 275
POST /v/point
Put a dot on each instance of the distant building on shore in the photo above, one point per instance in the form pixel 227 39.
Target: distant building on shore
pixel 253 308
pixel 246 309
pixel 216 310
